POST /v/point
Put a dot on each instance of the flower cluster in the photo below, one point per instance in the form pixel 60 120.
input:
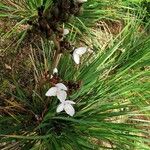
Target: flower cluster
pixel 60 90
pixel 77 52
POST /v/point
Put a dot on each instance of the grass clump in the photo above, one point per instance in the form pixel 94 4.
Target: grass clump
pixel 104 74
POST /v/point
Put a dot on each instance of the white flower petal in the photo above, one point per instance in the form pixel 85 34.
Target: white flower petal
pixel 55 70
pixel 69 102
pixel 60 108
pixel 81 1
pixel 65 32
pixel 51 91
pixel 61 95
pixel 69 109
pixel 61 86
pixel 81 50
pixel 76 58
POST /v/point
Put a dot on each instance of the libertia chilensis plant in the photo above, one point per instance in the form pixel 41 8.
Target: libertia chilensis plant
pixel 52 26
pixel 71 94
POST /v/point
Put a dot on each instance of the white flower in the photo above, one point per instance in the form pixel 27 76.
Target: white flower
pixel 65 32
pixel 67 106
pixel 80 1
pixel 78 53
pixel 59 90
pixel 55 70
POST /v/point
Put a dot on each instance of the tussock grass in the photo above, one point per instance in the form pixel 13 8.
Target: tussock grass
pixel 112 104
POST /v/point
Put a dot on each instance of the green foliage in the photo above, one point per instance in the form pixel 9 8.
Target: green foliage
pixel 112 109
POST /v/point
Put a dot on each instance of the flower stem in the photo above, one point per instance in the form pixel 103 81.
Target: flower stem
pixel 57 55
